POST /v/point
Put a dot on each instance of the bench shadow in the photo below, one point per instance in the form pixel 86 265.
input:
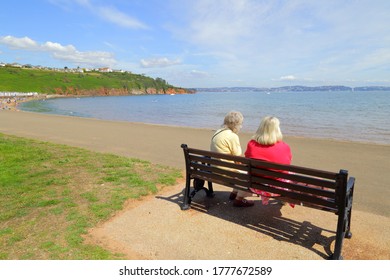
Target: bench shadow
pixel 265 219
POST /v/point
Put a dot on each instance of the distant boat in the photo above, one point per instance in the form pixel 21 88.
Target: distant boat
pixel 172 94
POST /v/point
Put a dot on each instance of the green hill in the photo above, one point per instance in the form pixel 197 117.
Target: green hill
pixel 64 82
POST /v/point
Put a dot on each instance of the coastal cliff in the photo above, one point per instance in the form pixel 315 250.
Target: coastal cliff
pixel 92 83
pixel 117 91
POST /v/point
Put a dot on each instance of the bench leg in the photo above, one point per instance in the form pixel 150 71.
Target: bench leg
pixel 348 233
pixel 199 185
pixel 210 191
pixel 340 234
pixel 187 198
pixel 332 257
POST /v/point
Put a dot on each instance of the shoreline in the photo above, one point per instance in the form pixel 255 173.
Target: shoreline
pixel 309 130
pixel 160 144
pixel 12 103
pixel 246 133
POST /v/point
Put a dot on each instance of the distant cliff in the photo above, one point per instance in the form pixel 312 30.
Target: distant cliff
pixel 293 89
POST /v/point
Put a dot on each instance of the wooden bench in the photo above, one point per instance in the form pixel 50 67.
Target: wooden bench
pixel 323 190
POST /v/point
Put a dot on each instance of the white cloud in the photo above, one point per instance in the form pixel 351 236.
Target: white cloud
pixel 158 62
pixel 56 47
pixel 107 13
pixel 274 37
pixel 18 43
pixel 257 42
pixel 66 53
pixel 87 58
pixel 199 74
pixel 223 23
pixel 288 78
pixel 117 17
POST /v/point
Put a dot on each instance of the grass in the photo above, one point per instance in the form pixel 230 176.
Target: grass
pixel 50 195
pixel 49 81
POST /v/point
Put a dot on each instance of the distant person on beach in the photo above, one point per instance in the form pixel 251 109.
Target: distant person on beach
pixel 267 144
pixel 225 140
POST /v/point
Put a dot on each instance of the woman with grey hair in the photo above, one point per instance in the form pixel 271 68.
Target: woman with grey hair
pixel 225 140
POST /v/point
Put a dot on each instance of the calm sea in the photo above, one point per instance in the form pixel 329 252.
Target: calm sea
pixel 355 116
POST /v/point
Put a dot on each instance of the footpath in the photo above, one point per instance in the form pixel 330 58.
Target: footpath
pixel 155 228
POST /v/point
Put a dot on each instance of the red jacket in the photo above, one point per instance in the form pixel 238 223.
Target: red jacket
pixel 279 152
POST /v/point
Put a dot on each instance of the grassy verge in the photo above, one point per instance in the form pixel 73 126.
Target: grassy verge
pixel 50 195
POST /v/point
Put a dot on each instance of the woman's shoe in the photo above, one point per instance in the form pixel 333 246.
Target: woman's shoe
pixel 243 203
pixel 232 196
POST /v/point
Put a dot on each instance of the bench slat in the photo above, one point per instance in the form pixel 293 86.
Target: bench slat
pixel 296 177
pixel 221 171
pixel 232 158
pixel 220 179
pixel 265 164
pixel 298 196
pixel 218 162
pixel 293 168
pixel 295 187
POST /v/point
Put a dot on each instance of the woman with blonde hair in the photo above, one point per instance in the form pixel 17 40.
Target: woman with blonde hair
pixel 267 144
pixel 225 140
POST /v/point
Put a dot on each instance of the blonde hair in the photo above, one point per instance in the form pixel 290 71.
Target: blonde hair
pixel 233 120
pixel 268 132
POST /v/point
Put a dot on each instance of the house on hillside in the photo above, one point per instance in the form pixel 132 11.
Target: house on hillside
pixel 105 70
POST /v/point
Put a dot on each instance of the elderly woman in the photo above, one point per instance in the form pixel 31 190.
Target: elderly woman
pixel 267 145
pixel 225 140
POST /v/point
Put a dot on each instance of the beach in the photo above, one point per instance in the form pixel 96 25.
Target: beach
pixel 368 163
pixel 10 100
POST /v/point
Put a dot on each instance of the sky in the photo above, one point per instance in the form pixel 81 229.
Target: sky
pixel 206 43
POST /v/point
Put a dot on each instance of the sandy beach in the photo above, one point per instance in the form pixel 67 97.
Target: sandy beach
pixel 368 163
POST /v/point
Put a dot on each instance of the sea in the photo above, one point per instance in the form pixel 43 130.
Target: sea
pixel 359 116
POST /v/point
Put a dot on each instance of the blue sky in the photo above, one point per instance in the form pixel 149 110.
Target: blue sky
pixel 206 43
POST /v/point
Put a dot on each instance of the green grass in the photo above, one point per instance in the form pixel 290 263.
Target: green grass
pixel 50 195
pixel 49 82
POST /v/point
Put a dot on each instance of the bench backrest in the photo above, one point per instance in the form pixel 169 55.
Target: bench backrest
pixel 310 187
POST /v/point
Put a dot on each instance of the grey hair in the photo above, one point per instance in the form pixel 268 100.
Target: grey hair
pixel 269 132
pixel 233 120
